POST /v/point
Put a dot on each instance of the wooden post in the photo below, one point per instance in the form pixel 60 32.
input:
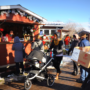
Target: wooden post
pixel 60 31
pixel 89 37
pixel 61 34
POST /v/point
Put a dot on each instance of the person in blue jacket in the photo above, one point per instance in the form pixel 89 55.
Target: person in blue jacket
pixel 18 48
pixel 83 43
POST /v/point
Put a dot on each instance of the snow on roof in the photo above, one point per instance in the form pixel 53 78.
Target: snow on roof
pixel 22 9
pixel 88 31
pixel 54 23
pixel 84 31
pixel 58 24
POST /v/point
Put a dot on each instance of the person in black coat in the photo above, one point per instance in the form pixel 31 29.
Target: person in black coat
pixel 58 51
pixel 74 43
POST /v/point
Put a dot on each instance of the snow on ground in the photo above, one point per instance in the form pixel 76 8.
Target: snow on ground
pixel 65 61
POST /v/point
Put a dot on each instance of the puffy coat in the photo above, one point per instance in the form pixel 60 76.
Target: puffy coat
pixel 18 48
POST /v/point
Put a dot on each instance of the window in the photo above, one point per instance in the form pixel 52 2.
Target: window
pixel 52 32
pixel 46 32
pixel 41 32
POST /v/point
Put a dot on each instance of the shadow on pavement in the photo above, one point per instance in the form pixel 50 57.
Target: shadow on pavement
pixel 57 86
pixel 64 82
pixel 17 86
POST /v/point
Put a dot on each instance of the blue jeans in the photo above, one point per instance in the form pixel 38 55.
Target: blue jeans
pixel 84 73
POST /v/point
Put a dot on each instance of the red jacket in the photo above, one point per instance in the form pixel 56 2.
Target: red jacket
pixel 8 36
pixel 67 40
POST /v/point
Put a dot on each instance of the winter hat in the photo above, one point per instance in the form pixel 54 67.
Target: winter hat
pixel 76 36
pixel 57 34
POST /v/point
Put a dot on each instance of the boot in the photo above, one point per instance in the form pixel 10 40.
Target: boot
pixel 57 75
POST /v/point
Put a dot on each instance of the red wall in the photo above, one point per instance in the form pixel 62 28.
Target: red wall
pixel 16 18
pixel 37 31
pixel 7 54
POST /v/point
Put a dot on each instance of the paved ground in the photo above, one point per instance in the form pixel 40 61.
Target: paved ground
pixel 66 82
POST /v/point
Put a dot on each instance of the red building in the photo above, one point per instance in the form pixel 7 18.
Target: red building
pixel 23 23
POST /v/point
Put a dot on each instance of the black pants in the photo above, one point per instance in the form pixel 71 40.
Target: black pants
pixel 18 65
pixel 57 62
pixel 71 49
pixel 75 67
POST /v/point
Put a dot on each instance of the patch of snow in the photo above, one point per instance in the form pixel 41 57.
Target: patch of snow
pixel 65 61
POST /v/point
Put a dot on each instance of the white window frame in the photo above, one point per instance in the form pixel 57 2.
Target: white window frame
pixel 49 31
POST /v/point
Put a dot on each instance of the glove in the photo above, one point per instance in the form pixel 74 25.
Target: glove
pixel 54 51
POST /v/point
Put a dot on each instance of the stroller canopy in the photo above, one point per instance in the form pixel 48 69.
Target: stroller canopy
pixel 35 54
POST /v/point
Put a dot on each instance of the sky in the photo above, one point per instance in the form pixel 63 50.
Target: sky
pixel 77 11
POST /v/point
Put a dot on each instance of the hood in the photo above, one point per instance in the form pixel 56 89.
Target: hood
pixel 16 39
pixel 76 36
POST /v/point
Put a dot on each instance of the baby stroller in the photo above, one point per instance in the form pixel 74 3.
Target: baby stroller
pixel 39 62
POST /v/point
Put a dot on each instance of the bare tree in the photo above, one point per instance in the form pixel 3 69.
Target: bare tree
pixel 73 28
pixel 80 29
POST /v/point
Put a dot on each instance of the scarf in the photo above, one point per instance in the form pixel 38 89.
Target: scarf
pixel 56 42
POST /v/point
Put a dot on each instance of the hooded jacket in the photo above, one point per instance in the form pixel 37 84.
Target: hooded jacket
pixel 37 45
pixel 18 48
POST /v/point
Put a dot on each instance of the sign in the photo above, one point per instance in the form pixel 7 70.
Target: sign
pixel 75 54
pixel 82 56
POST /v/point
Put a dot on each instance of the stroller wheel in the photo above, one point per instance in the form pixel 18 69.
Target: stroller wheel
pixel 27 84
pixel 50 80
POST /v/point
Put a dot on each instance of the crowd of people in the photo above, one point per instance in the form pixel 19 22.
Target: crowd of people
pixel 80 42
pixel 57 46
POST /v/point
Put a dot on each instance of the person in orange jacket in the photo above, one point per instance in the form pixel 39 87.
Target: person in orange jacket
pixel 67 41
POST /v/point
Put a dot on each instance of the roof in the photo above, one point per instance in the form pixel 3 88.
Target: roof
pixel 54 24
pixel 86 31
pixel 19 7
